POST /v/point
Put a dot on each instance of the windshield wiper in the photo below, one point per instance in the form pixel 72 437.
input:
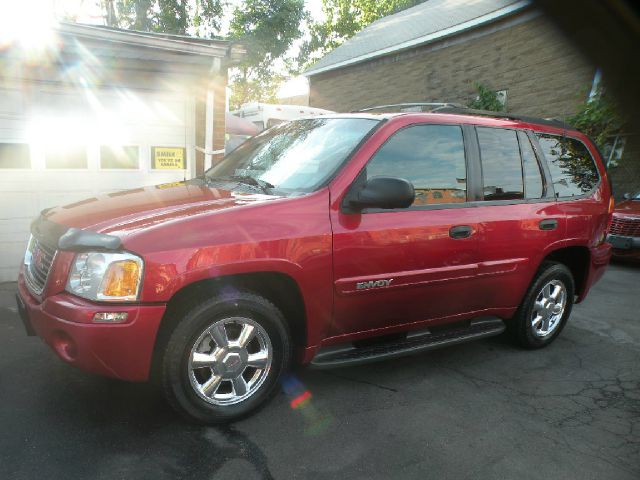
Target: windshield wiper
pixel 246 180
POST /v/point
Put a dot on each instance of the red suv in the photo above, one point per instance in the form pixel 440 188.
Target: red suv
pixel 331 241
pixel 624 232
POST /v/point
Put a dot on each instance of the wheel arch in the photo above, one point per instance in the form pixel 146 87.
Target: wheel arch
pixel 577 259
pixel 279 288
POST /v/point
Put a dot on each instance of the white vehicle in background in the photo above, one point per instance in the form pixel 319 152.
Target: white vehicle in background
pixel 266 115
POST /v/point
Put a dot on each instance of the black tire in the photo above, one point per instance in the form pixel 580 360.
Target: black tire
pixel 521 327
pixel 176 373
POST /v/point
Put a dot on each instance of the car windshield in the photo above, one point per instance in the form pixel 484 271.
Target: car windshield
pixel 636 196
pixel 293 157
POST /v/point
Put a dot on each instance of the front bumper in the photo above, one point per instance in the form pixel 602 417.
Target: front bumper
pixel 623 245
pixel 64 322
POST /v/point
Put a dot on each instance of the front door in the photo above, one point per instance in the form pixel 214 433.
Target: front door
pixel 394 267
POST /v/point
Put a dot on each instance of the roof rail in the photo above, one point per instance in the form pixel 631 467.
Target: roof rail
pixel 399 106
pixel 551 122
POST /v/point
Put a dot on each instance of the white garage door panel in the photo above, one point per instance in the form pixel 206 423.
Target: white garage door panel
pixel 92 118
pixel 15 205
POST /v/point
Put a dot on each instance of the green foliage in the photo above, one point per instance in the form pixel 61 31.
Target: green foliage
pixel 345 18
pixel 487 99
pixel 167 16
pixel 267 28
pixel 598 118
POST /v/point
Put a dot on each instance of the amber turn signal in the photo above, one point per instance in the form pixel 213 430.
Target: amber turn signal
pixel 121 280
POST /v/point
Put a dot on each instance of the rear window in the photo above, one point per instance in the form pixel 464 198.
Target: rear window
pixel 572 168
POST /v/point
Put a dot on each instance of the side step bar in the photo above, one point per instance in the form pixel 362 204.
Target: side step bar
pixel 418 341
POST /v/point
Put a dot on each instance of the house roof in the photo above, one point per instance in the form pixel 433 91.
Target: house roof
pixel 424 23
pixel 154 41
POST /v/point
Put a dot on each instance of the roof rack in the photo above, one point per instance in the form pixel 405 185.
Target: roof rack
pixel 399 106
pixel 551 122
pixel 456 108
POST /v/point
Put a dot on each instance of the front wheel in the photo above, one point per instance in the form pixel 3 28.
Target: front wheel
pixel 225 357
pixel 545 308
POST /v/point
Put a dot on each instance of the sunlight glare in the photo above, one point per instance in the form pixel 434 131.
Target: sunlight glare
pixel 28 24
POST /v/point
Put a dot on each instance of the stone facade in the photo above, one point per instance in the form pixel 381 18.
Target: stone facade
pixel 544 75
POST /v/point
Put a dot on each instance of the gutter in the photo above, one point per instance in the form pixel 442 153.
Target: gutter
pixel 447 32
pixel 216 48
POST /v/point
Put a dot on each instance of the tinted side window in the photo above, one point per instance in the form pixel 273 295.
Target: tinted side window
pixel 532 176
pixel 501 164
pixel 572 168
pixel 431 157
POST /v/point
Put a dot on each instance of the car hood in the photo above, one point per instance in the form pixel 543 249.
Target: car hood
pixel 135 209
pixel 628 207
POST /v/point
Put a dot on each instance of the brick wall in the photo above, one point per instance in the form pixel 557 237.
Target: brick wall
pixel 543 74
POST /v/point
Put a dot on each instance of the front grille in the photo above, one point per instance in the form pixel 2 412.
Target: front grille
pixel 38 265
pixel 629 227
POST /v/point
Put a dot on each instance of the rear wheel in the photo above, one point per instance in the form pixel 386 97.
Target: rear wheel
pixel 225 357
pixel 545 308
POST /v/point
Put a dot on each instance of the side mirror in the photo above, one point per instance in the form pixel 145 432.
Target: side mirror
pixel 627 196
pixel 382 192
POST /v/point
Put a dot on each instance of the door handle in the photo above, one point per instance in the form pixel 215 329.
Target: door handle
pixel 460 231
pixel 548 224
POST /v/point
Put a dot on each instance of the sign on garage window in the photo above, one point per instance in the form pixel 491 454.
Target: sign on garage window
pixel 168 158
pixel 15 155
pixel 66 156
pixel 119 157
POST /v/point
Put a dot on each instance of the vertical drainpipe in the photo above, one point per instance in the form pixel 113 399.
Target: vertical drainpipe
pixel 208 134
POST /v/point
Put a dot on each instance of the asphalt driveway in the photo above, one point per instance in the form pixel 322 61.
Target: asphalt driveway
pixel 481 410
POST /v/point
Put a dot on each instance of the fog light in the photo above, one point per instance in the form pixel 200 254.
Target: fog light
pixel 110 317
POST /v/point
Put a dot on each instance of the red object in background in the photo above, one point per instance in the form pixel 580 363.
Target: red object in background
pixel 189 232
pixel 626 224
pixel 239 126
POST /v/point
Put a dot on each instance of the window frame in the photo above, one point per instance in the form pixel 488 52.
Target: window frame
pixel 87 150
pixel 481 179
pixel 20 169
pixel 523 136
pixel 139 162
pixel 549 195
pixel 470 169
pixel 548 170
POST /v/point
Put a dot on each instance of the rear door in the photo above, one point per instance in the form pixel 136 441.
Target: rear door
pixel 393 267
pixel 519 218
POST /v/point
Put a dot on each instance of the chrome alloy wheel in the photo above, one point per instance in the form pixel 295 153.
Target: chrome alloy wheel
pixel 549 308
pixel 230 360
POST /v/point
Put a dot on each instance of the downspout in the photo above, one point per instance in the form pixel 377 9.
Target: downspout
pixel 208 134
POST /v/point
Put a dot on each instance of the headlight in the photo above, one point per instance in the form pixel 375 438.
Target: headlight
pixel 106 277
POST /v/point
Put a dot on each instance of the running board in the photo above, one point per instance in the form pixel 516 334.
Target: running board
pixel 414 342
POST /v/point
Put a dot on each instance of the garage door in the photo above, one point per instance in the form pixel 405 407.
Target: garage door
pixel 58 147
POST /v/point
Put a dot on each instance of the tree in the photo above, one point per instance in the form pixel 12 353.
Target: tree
pixel 166 16
pixel 598 118
pixel 345 18
pixel 487 99
pixel 267 28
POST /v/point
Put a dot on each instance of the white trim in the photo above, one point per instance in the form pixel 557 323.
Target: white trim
pixel 213 48
pixel 210 152
pixel 476 22
pixel 208 132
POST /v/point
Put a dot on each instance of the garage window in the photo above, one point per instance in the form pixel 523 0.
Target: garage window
pixel 120 157
pixel 15 155
pixel 66 156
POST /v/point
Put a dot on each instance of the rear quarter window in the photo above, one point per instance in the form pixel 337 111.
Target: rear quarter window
pixel 573 170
